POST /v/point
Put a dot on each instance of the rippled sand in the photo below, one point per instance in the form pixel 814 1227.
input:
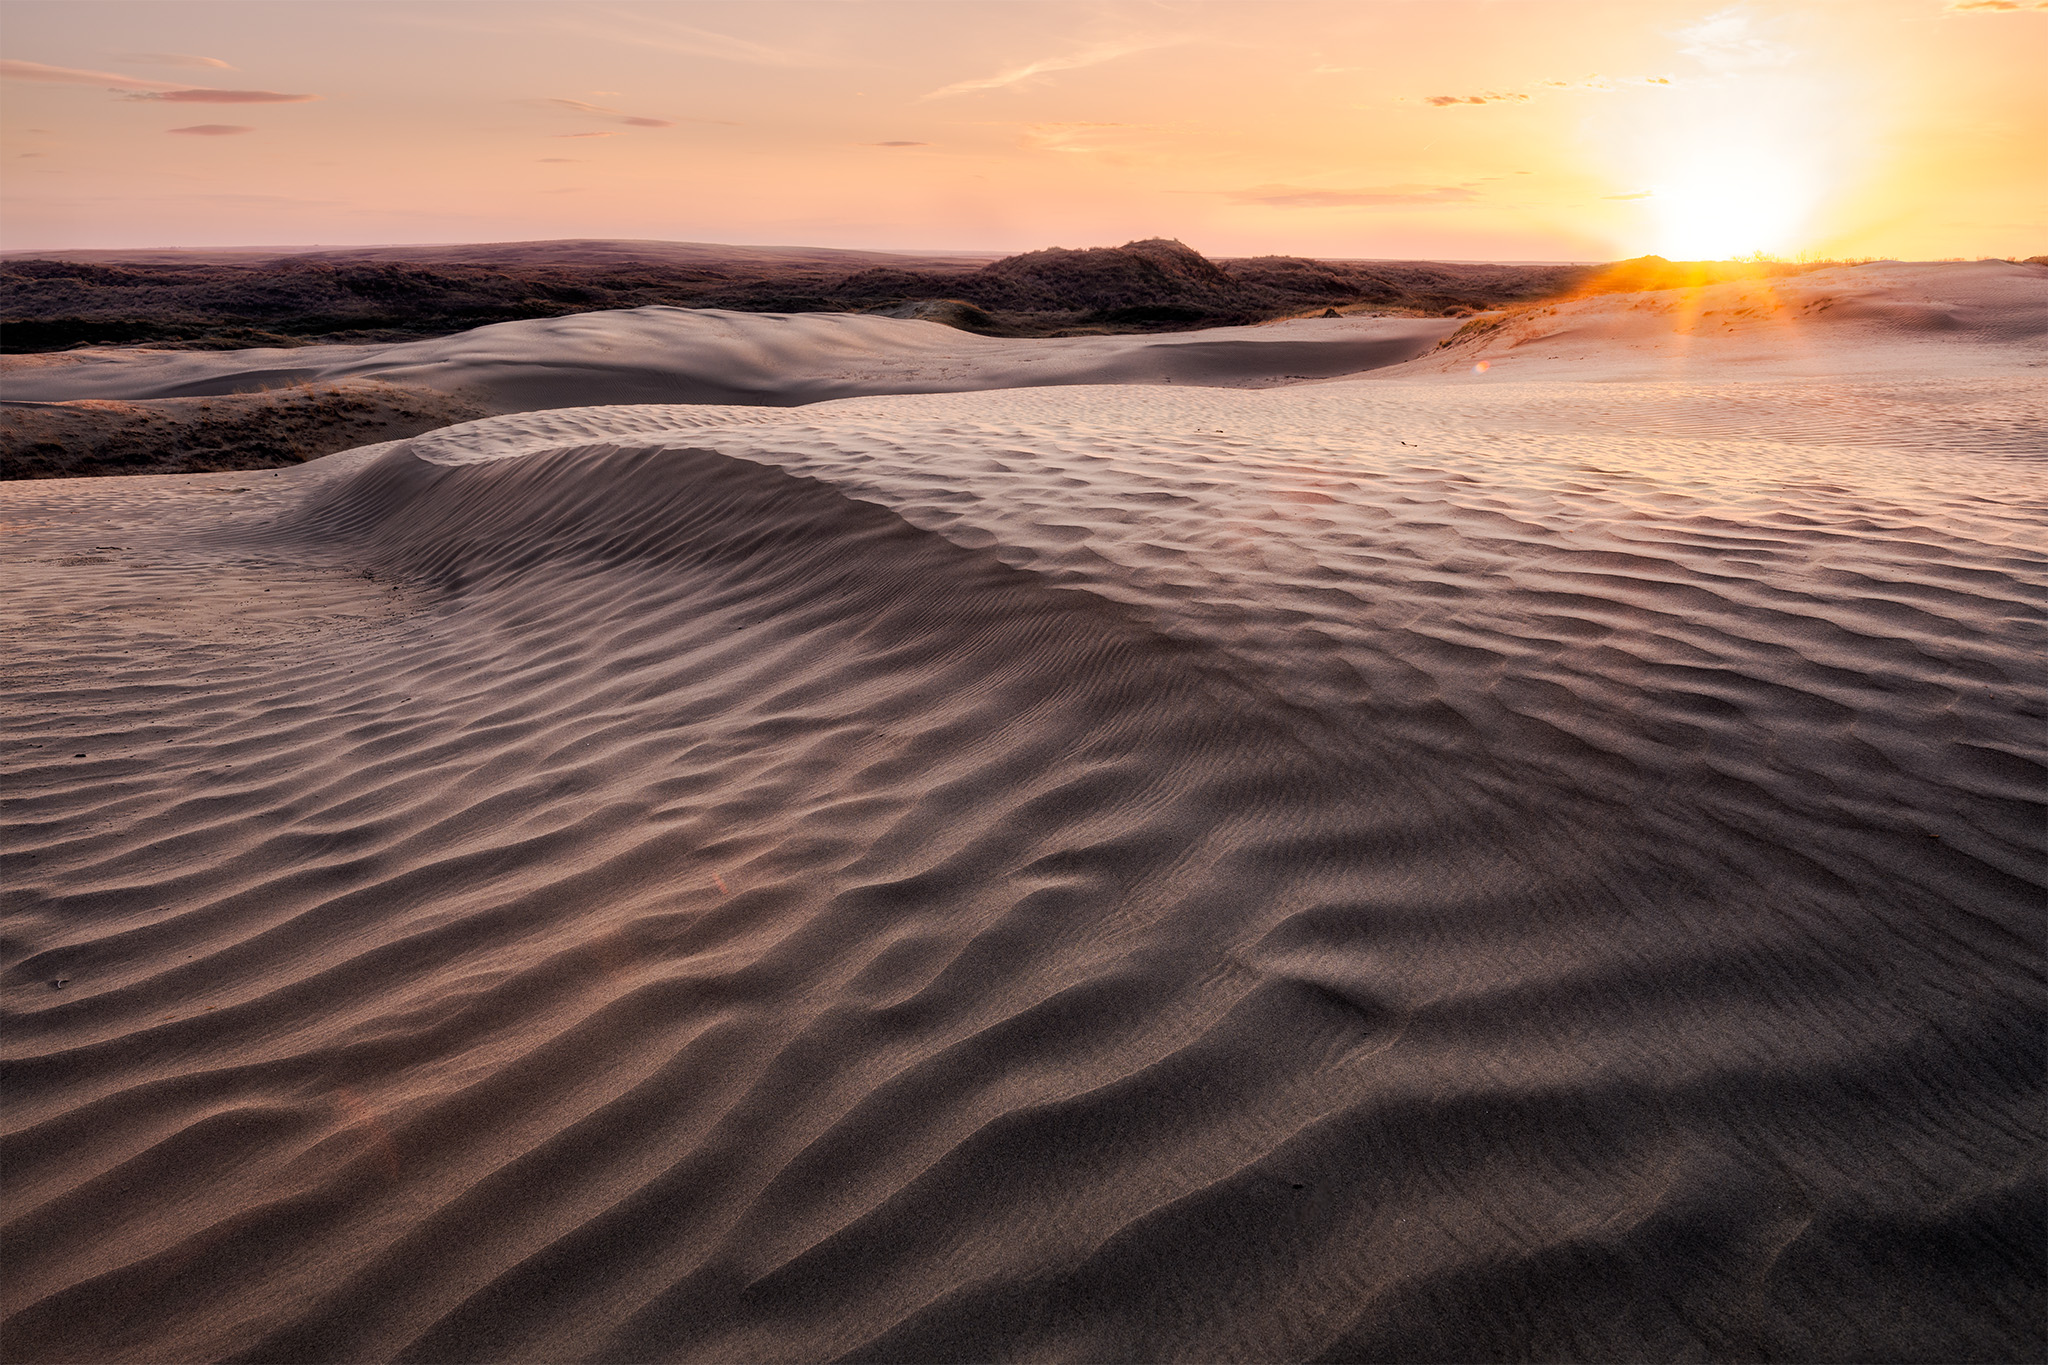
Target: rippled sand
pixel 1429 867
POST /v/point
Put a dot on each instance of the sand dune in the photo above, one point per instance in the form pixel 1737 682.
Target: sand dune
pixel 1435 866
pixel 691 355
pixel 1962 319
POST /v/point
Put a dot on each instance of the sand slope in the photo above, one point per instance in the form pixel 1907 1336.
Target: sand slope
pixel 1406 869
pixel 1962 319
pixel 707 355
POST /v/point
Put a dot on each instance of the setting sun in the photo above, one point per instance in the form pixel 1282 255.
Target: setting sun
pixel 1730 203
pixel 1744 144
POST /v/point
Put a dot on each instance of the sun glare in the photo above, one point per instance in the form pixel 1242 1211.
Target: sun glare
pixel 1733 201
pixel 1740 154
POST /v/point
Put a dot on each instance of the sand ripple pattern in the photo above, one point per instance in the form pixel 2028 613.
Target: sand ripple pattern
pixel 1087 874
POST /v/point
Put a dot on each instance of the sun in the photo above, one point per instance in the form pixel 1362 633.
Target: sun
pixel 1727 201
pixel 1741 153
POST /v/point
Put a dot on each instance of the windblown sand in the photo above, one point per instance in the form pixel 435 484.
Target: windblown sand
pixel 1435 866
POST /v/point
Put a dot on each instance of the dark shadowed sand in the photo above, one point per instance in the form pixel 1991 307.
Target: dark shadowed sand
pixel 1542 863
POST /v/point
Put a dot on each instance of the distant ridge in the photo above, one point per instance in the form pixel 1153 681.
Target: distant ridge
pixel 228 300
pixel 564 251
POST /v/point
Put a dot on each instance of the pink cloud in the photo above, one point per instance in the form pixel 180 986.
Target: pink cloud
pixel 173 59
pixel 66 75
pixel 223 97
pixel 1296 197
pixel 138 89
pixel 615 115
pixel 213 129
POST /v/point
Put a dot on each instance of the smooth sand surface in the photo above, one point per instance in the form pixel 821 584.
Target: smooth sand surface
pixel 708 355
pixel 1436 866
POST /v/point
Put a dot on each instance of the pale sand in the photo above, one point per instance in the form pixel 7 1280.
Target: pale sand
pixel 708 355
pixel 1434 866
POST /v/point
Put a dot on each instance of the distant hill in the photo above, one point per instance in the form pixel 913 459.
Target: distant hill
pixel 220 299
pixel 560 252
pixel 1159 282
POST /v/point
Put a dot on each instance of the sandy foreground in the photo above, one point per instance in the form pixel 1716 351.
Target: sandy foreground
pixel 1452 864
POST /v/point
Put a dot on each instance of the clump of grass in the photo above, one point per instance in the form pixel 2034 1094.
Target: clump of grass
pixel 1479 327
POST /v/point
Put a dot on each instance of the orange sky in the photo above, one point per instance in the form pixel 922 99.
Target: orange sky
pixel 1455 129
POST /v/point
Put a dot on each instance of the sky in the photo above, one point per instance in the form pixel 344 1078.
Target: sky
pixel 1445 129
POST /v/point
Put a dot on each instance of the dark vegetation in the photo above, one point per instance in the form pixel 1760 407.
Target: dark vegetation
pixel 204 435
pixel 1156 285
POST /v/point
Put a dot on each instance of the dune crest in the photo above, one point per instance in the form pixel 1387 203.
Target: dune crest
pixel 689 355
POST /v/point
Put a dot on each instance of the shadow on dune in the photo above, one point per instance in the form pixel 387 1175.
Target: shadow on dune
pixel 731 924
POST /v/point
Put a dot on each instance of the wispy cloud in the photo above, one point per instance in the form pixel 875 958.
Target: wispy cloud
pixel 1383 196
pixel 615 115
pixel 1732 40
pixel 213 129
pixel 895 144
pixel 65 75
pixel 137 89
pixel 1490 97
pixel 1084 136
pixel 1073 61
pixel 252 199
pixel 586 134
pixel 1603 85
pixel 1994 6
pixel 172 59
pixel 645 30
pixel 222 97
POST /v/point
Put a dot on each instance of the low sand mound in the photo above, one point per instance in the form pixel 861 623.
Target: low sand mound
pixel 684 355
pixel 1883 321
pixel 1350 872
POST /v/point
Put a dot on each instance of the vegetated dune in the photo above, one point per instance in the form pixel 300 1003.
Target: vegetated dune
pixel 399 293
pixel 558 251
pixel 1430 867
